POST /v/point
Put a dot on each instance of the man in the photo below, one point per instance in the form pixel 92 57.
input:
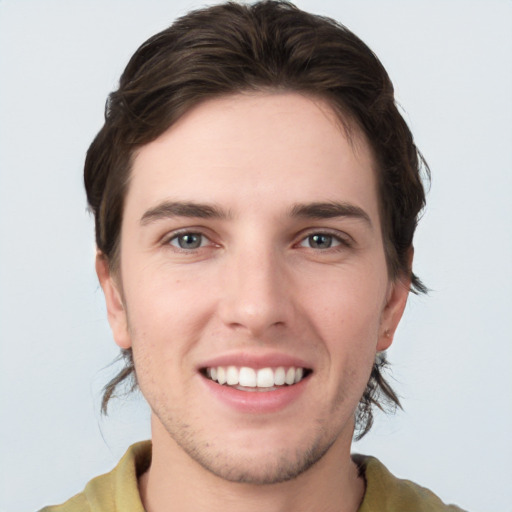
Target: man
pixel 255 194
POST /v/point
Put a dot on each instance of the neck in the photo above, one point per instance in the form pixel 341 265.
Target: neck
pixel 177 483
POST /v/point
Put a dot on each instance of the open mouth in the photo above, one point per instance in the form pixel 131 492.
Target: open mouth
pixel 251 379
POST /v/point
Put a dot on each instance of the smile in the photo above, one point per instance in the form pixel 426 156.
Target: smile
pixel 261 379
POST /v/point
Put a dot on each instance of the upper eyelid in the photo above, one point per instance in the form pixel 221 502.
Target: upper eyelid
pixel 194 230
pixel 341 235
pixel 166 240
pixel 204 238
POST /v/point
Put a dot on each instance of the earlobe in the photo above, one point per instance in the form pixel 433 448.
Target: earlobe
pixel 392 313
pixel 115 306
pixel 395 305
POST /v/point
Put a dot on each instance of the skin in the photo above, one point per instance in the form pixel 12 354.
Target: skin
pixel 256 286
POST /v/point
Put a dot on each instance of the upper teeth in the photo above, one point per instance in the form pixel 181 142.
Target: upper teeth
pixel 252 378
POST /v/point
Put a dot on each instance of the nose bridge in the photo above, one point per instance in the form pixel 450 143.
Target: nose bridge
pixel 255 291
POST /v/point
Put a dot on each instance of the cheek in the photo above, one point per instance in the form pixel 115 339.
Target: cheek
pixel 167 311
pixel 347 313
pixel 347 302
pixel 156 292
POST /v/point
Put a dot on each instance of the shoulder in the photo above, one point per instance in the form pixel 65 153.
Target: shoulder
pixel 77 503
pixel 116 491
pixel 385 492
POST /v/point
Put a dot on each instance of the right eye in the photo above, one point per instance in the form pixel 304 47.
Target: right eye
pixel 320 241
pixel 188 241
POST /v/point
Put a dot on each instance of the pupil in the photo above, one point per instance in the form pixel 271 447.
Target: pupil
pixel 320 241
pixel 189 241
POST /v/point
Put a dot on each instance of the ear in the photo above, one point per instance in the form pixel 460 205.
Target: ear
pixel 396 300
pixel 115 306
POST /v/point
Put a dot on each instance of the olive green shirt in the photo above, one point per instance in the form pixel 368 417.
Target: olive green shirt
pixel 117 491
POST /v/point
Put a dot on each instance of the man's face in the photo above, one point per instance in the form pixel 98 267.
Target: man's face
pixel 251 251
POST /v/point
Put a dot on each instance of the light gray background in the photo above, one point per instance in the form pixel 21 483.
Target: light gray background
pixel 451 65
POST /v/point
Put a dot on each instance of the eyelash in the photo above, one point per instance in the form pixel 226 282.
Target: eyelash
pixel 340 242
pixel 177 235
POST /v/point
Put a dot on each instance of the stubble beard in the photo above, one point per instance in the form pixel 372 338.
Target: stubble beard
pixel 231 466
pixel 228 465
pixel 258 468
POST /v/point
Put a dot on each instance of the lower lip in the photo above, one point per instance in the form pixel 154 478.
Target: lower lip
pixel 256 401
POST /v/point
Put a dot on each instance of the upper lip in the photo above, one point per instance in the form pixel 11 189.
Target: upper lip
pixel 256 361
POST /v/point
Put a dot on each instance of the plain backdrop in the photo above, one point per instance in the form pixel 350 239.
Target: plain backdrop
pixel 451 64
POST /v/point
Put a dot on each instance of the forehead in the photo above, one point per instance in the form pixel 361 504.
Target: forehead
pixel 251 150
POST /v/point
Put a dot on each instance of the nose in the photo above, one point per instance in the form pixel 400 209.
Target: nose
pixel 256 293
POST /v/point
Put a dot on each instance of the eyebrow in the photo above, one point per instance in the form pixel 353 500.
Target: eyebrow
pixel 170 209
pixel 316 210
pixel 329 210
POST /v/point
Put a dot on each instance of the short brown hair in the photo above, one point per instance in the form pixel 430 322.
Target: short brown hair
pixel 267 46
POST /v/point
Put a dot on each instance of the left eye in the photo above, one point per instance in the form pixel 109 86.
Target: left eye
pixel 188 240
pixel 320 241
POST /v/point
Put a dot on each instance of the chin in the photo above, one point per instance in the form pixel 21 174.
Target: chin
pixel 257 466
